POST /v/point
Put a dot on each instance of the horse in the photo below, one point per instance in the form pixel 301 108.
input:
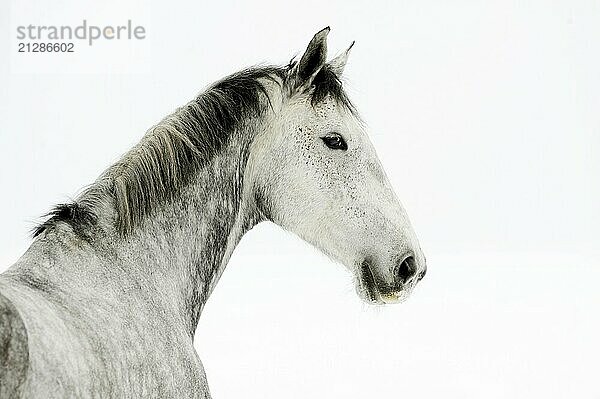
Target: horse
pixel 106 300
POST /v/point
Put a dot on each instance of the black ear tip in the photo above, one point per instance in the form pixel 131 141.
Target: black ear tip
pixel 323 32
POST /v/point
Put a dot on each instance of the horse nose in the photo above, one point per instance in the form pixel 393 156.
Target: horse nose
pixel 406 270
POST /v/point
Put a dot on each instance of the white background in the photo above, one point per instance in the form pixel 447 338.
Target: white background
pixel 486 118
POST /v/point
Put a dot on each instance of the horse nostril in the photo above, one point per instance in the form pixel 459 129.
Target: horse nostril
pixel 406 270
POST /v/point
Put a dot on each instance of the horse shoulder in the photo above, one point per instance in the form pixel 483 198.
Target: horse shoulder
pixel 14 350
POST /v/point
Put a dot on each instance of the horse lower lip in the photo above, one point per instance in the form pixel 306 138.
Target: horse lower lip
pixel 390 298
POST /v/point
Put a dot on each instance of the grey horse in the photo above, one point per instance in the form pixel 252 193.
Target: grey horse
pixel 106 300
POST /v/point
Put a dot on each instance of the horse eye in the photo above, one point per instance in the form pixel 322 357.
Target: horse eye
pixel 335 142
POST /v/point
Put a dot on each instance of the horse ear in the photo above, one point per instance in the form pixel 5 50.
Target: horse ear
pixel 338 63
pixel 312 60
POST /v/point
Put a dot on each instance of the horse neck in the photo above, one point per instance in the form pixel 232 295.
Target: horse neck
pixel 172 258
pixel 183 248
pixel 170 262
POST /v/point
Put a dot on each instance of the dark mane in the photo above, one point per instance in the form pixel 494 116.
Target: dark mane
pixel 73 214
pixel 170 153
pixel 327 83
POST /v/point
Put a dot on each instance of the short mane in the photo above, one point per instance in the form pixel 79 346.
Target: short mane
pixel 171 152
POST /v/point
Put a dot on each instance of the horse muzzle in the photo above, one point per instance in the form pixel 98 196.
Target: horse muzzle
pixel 406 274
